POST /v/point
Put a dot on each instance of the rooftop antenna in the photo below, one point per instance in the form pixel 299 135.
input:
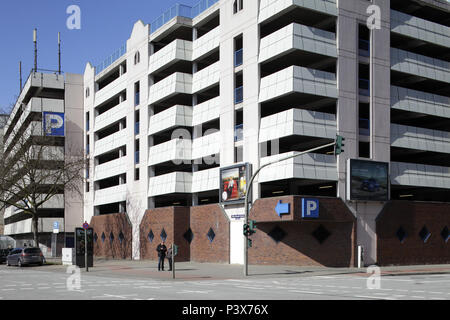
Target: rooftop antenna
pixel 35 49
pixel 59 52
pixel 20 75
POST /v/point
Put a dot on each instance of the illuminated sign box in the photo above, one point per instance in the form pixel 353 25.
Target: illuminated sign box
pixel 233 183
pixel 367 180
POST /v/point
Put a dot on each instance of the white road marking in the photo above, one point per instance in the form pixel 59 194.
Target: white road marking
pixel 253 288
pixel 307 292
pixel 375 298
pixel 191 291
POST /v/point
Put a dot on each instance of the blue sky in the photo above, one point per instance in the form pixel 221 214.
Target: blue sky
pixel 105 26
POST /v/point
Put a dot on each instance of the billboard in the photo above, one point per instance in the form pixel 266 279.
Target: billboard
pixel 367 180
pixel 233 183
pixel 53 124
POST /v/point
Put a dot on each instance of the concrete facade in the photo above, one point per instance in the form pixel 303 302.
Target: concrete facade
pixel 57 93
pixel 289 74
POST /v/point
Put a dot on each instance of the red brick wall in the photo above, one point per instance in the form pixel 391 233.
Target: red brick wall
pixel 300 247
pixel 115 223
pixel 412 217
pixel 175 221
pixel 202 219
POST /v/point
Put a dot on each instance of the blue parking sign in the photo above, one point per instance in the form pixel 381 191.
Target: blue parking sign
pixel 310 208
pixel 53 124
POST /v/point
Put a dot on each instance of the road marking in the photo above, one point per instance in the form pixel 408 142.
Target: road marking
pixel 417 297
pixel 307 292
pixel 190 291
pixel 253 288
pixel 375 298
pixel 8 289
pixel 43 288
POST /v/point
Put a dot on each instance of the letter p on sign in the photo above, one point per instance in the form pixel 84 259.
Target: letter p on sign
pixel 53 124
pixel 310 208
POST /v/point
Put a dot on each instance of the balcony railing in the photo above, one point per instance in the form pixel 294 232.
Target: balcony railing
pixel 136 157
pixel 136 128
pixel 239 133
pixel 137 99
pixel 239 95
pixel 364 48
pixel 87 125
pixel 181 10
pixel 364 87
pixel 238 58
pixel 364 127
pixel 111 59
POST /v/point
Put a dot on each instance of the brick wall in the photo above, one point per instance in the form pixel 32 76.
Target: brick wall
pixel 412 217
pixel 174 221
pixel 299 246
pixel 114 224
pixel 204 218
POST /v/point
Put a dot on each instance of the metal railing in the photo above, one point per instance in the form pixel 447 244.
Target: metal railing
pixel 364 87
pixel 136 128
pixel 238 57
pixel 239 95
pixel 239 133
pixel 364 127
pixel 136 157
pixel 181 10
pixel 111 59
pixel 137 99
pixel 364 48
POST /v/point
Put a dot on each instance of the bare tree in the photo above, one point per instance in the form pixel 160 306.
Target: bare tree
pixel 34 168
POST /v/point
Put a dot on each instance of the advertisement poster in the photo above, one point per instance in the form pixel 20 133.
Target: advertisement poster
pixel 369 180
pixel 233 183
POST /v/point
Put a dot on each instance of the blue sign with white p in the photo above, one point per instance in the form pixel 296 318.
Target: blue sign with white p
pixel 310 208
pixel 53 124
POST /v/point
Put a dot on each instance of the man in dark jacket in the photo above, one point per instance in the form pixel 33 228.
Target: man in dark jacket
pixel 169 257
pixel 161 249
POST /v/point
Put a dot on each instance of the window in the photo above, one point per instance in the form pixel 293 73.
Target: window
pixel 238 5
pixel 88 92
pixel 137 58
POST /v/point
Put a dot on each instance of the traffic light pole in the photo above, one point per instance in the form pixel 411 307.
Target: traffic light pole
pixel 249 188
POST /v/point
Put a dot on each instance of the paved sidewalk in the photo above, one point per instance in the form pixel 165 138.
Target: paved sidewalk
pixel 208 271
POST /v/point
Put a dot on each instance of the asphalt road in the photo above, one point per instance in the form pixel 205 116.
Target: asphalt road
pixel 41 283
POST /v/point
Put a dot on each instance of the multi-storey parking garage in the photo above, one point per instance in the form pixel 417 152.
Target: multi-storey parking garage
pixel 51 94
pixel 229 82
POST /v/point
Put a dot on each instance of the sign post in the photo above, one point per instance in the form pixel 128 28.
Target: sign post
pixel 86 227
pixel 174 253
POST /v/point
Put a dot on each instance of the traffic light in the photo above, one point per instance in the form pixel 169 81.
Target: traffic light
pixel 252 226
pixel 246 230
pixel 249 243
pixel 338 145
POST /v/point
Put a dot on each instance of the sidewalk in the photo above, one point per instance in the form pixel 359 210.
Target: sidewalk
pixel 212 271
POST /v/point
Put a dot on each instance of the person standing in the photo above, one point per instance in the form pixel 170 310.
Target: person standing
pixel 161 249
pixel 169 257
